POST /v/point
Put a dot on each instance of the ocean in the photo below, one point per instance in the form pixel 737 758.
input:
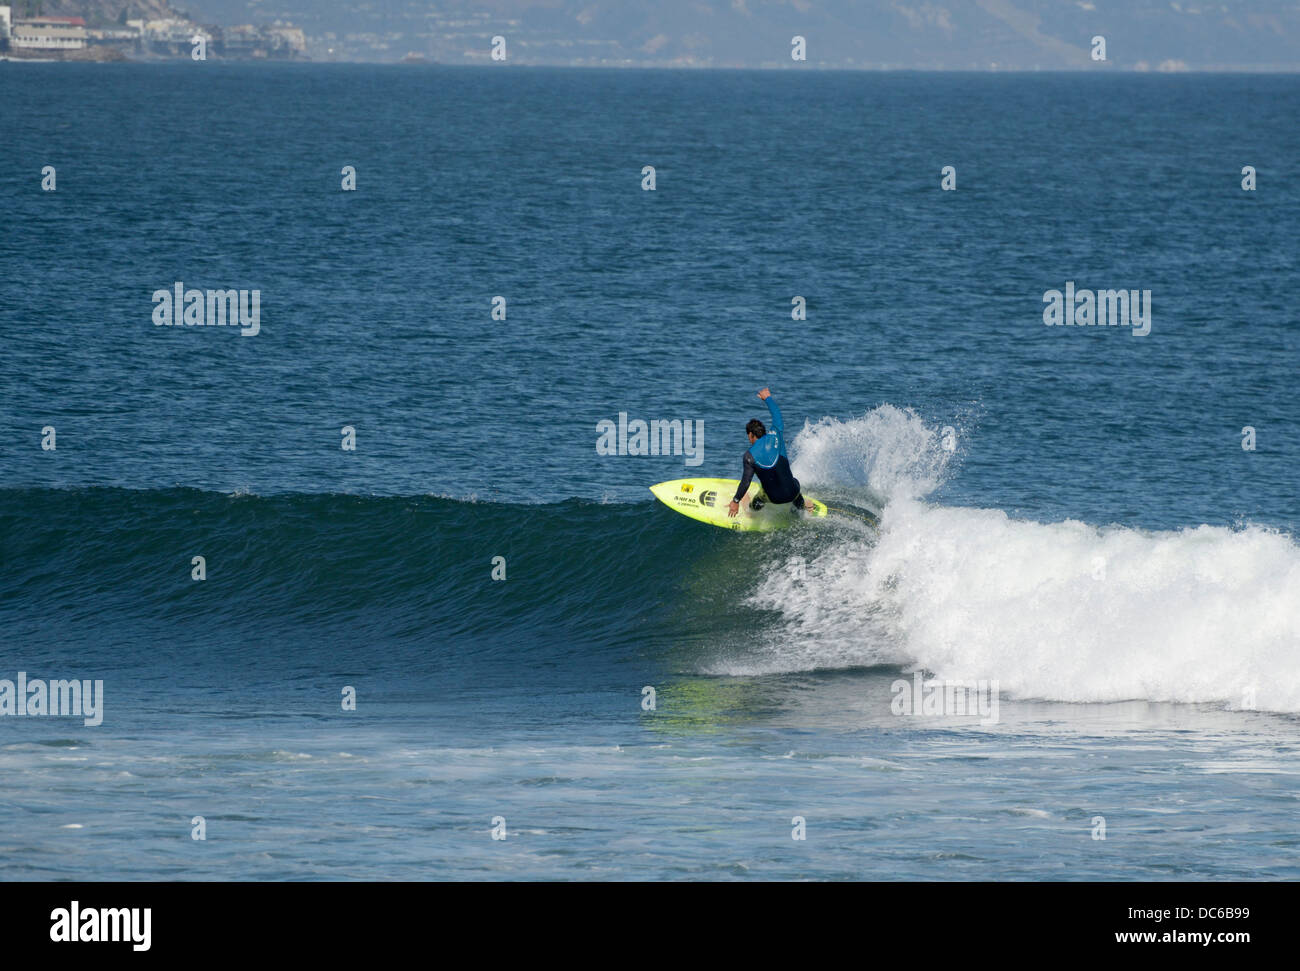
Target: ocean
pixel 472 646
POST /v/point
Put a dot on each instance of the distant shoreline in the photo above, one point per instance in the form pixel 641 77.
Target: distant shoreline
pixel 90 55
pixel 106 55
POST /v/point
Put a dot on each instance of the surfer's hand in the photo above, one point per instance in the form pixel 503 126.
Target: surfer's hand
pixel 764 395
pixel 733 508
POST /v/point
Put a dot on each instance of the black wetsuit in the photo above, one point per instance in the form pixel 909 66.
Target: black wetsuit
pixel 778 482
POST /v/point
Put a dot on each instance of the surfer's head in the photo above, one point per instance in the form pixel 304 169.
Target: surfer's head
pixel 755 430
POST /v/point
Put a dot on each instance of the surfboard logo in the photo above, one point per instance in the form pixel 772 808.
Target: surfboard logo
pixel 707 497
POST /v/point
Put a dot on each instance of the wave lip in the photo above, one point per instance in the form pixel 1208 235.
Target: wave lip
pixel 889 453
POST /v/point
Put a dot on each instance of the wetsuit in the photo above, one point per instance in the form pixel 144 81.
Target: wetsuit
pixel 766 458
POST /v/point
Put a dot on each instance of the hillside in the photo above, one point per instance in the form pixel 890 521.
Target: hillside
pixel 96 13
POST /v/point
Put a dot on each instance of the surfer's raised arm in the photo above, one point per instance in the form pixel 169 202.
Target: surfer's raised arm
pixel 778 423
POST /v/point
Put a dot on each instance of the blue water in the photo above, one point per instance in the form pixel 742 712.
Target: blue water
pixel 1067 511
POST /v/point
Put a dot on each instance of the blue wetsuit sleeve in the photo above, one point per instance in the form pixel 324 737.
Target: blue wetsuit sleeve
pixel 745 478
pixel 777 422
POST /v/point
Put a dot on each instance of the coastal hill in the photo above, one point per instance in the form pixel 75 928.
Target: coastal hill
pixel 96 13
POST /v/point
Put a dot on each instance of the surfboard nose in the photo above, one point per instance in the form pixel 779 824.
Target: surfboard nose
pixel 663 491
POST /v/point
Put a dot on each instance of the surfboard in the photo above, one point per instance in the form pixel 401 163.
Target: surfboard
pixel 707 500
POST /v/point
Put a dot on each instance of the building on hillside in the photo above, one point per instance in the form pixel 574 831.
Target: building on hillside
pixel 242 41
pixel 123 38
pixel 286 41
pixel 166 37
pixel 247 41
pixel 172 35
pixel 48 34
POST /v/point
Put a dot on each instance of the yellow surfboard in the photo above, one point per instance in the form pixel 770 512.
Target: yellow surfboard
pixel 707 500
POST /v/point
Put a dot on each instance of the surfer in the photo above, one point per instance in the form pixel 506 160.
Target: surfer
pixel 766 458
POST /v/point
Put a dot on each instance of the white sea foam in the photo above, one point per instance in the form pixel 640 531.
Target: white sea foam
pixel 889 451
pixel 1063 611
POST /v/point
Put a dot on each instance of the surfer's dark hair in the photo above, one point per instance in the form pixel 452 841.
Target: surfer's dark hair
pixel 755 428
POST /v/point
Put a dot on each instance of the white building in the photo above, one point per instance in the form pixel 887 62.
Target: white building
pixel 5 24
pixel 287 39
pixel 172 30
pixel 49 34
pixel 112 36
